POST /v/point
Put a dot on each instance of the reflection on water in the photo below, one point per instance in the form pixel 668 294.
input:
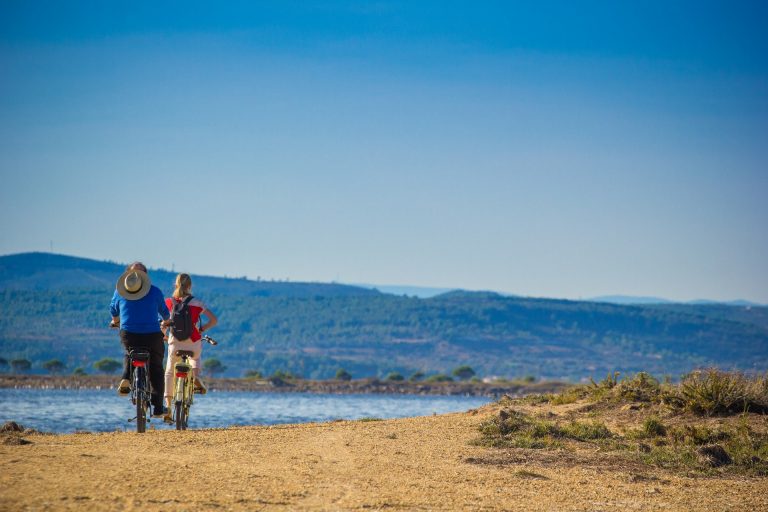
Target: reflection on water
pixel 103 411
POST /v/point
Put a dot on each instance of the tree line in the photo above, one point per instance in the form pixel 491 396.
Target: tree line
pixel 214 367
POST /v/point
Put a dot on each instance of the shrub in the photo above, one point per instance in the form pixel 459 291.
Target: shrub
pixel 253 374
pixel 213 366
pixel 515 429
pixel 20 365
pixel 714 392
pixel 343 374
pixel 640 388
pixel 583 431
pixel 283 375
pixel 54 366
pixel 463 372
pixel 107 365
pixel 702 448
pixel 394 377
pixel 653 427
pixel 417 376
pixel 569 395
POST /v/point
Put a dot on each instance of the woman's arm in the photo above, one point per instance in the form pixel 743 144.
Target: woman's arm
pixel 212 320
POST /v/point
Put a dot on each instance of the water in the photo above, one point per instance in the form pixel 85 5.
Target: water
pixel 104 411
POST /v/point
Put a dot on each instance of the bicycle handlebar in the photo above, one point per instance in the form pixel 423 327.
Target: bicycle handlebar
pixel 205 337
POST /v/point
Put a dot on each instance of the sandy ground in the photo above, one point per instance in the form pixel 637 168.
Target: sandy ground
pixel 423 463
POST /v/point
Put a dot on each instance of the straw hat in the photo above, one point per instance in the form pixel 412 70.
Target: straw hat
pixel 133 284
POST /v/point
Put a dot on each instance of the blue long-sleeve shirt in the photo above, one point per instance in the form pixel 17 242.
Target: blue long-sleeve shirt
pixel 140 316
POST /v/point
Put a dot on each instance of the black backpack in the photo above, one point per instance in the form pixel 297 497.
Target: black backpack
pixel 181 317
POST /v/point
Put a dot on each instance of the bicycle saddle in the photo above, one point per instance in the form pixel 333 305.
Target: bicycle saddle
pixel 184 353
pixel 140 355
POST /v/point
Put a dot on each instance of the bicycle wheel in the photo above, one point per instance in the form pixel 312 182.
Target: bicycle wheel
pixel 141 400
pixel 180 416
pixel 186 416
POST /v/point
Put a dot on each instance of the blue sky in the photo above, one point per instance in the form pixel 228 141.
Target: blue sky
pixel 553 149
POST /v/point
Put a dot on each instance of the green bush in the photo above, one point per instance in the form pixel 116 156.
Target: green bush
pixel 463 372
pixel 107 365
pixel 213 366
pixel 54 366
pixel 343 374
pixel 715 392
pixel 569 395
pixel 583 431
pixel 640 388
pixel 653 427
pixel 417 376
pixel 515 429
pixel 394 377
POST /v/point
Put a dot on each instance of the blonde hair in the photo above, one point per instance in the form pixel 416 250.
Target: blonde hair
pixel 183 286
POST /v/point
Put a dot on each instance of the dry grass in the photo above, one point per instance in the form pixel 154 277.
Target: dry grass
pixel 712 423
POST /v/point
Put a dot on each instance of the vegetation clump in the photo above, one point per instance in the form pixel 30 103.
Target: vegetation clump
pixel 515 429
pixel 253 374
pixel 712 391
pixel 342 374
pixel 675 429
pixel 703 392
pixel 701 448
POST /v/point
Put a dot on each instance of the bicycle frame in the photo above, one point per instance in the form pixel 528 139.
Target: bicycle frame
pixel 184 386
pixel 140 394
pixel 183 390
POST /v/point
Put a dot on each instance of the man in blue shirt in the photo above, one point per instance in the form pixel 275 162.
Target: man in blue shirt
pixel 137 307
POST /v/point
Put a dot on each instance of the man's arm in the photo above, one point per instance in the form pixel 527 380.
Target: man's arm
pixel 114 310
pixel 114 306
pixel 162 307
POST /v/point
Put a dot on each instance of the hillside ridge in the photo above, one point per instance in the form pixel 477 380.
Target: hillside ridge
pixel 57 308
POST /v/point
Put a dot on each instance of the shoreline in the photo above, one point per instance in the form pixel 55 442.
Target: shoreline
pixel 359 386
pixel 417 463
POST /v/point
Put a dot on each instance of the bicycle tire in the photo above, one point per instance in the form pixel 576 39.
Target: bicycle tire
pixel 186 416
pixel 141 401
pixel 180 416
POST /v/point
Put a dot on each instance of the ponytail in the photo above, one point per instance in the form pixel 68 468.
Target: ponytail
pixel 183 286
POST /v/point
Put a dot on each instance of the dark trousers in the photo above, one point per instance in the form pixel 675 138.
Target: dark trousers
pixel 153 342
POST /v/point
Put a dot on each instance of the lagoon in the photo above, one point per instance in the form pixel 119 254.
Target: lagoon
pixel 64 411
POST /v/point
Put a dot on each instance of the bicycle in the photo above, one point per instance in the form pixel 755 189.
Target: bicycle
pixel 140 394
pixel 140 388
pixel 184 386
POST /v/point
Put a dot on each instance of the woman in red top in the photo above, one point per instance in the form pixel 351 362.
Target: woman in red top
pixel 183 290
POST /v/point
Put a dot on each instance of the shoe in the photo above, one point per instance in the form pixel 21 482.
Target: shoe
pixel 159 411
pixel 168 418
pixel 200 387
pixel 124 388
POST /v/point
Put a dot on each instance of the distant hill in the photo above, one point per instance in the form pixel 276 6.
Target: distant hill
pixel 421 292
pixel 630 299
pixel 56 306
pixel 46 271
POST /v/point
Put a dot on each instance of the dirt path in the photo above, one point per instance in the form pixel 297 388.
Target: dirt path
pixel 411 464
